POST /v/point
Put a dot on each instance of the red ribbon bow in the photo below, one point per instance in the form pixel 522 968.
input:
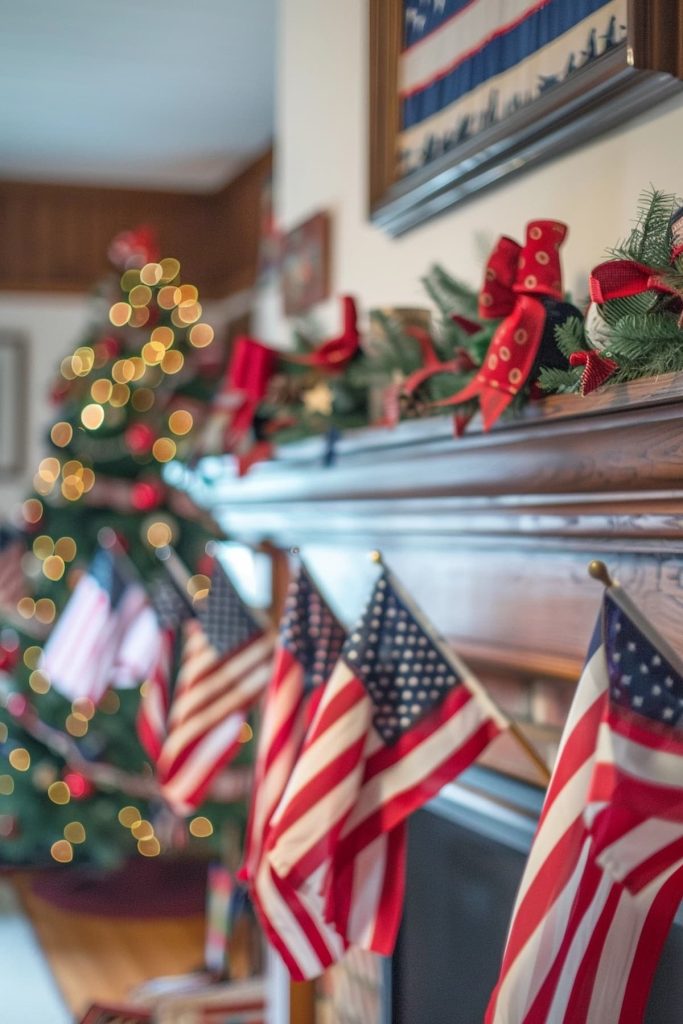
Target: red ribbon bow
pixel 515 278
pixel 618 279
pixel 250 369
pixel 334 354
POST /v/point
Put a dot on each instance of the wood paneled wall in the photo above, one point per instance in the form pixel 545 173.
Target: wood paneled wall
pixel 55 237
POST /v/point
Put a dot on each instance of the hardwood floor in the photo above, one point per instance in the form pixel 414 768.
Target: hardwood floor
pixel 101 958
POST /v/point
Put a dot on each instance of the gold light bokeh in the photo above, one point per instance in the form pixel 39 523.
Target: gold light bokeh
pixel 130 278
pixel 153 352
pixel 201 335
pixel 189 312
pixel 53 567
pixel 120 394
pixel 62 851
pixel 170 268
pixel 4 732
pixel 72 487
pixel 141 295
pixel 6 785
pixel 110 703
pixel 159 534
pixel 166 297
pixel 65 547
pixel 139 367
pixel 32 656
pixel 180 422
pixel 74 832
pixel 39 682
pixel 43 546
pixel 151 273
pixel 142 829
pixel 33 510
pixel 82 361
pixel 123 371
pixel 75 726
pixel 201 827
pixel 164 449
pixel 173 361
pixel 128 816
pixel 26 606
pixel 61 434
pixel 139 316
pixel 49 469
pixel 83 708
pixel 149 847
pixel 66 368
pixel 45 610
pixel 185 294
pixel 100 390
pixel 120 313
pixel 59 793
pixel 199 585
pixel 246 733
pixel 20 759
pixel 163 334
pixel 92 416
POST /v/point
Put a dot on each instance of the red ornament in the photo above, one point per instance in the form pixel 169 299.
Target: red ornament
pixel 17 705
pixel 79 787
pixel 108 348
pixel 60 390
pixel 205 564
pixel 147 495
pixel 139 438
pixel 9 650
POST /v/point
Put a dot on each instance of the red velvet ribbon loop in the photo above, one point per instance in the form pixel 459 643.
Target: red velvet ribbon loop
pixel 251 367
pixel 618 279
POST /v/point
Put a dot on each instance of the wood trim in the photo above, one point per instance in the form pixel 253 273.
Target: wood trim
pixel 655 35
pixel 55 237
pixel 384 49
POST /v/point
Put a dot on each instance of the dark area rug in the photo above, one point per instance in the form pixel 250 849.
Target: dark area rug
pixel 144 887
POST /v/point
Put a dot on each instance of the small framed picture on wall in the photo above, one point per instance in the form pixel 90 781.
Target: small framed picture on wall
pixel 306 265
pixel 13 373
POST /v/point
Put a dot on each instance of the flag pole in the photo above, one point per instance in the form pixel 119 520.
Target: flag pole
pixel 465 673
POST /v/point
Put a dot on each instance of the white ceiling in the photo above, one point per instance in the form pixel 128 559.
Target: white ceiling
pixel 168 93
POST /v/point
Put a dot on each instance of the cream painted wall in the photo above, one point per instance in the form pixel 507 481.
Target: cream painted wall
pixel 52 325
pixel 322 164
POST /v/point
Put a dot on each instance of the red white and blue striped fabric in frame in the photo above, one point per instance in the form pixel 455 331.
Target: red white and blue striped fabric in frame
pixel 468 64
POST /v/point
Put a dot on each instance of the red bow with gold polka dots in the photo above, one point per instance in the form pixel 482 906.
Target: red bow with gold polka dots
pixel 516 280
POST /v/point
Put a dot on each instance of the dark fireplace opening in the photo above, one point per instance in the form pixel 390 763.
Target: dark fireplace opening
pixel 466 855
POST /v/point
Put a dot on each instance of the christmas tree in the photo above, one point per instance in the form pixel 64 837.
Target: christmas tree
pixel 74 781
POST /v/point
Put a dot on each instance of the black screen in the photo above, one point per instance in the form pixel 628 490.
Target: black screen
pixel 460 891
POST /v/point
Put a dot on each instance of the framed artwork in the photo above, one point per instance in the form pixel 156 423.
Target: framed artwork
pixel 306 265
pixel 13 353
pixel 466 93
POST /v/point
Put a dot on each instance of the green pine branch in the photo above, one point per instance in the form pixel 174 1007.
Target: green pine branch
pixel 552 379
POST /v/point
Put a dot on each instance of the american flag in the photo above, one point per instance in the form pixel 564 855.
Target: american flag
pixel 311 639
pixel 400 716
pixel 225 664
pixel 90 646
pixel 12 584
pixel 170 610
pixel 605 873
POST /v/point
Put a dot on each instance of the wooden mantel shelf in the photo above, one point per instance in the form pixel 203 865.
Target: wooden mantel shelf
pixel 618 454
pixel 491 533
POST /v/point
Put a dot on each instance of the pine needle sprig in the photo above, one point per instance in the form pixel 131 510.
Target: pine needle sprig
pixel 650 239
pixel 560 381
pixel 570 336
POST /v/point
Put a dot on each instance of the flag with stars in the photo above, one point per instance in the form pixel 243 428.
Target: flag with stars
pixel 400 716
pixel 170 611
pixel 311 639
pixel 225 664
pixel 95 642
pixel 605 873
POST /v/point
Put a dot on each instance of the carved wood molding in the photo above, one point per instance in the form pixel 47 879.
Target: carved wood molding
pixel 55 237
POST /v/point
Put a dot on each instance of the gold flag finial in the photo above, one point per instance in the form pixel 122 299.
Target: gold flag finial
pixel 599 571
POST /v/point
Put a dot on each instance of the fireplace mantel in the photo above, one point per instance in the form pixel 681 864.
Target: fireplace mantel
pixel 490 532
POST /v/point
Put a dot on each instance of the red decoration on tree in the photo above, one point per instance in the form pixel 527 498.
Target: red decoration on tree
pixel 139 438
pixel 17 705
pixel 205 564
pixel 108 347
pixel 9 650
pixel 134 248
pixel 79 787
pixel 598 369
pixel 146 495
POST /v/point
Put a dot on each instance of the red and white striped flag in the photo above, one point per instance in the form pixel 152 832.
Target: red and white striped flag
pixel 87 649
pixel 12 583
pixel 170 610
pixel 311 639
pixel 400 716
pixel 225 665
pixel 605 873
